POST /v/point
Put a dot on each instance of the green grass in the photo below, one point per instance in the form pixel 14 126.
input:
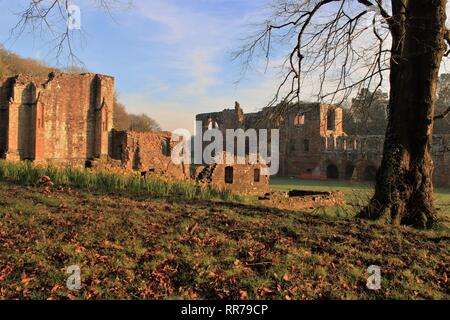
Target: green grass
pixel 356 194
pixel 154 239
pixel 28 174
pixel 174 248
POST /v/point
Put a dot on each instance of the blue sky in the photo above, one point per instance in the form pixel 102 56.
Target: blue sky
pixel 171 59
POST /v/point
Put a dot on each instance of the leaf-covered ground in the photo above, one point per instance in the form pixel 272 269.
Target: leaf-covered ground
pixel 171 248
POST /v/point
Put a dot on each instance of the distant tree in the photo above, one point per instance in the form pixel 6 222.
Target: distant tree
pixel 348 121
pixel 12 64
pixel 142 123
pixel 74 69
pixel 369 112
pixel 120 117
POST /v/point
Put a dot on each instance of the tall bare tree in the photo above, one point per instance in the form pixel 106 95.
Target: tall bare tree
pixel 334 41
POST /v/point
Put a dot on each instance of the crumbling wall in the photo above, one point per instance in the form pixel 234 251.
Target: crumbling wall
pixel 441 159
pixel 5 94
pixel 148 152
pixel 62 119
pixel 241 179
pixel 313 144
pixel 301 199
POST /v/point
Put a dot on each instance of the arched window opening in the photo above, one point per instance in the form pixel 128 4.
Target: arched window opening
pixel 165 146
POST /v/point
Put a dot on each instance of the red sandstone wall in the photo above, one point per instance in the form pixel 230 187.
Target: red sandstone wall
pixel 70 117
pixel 326 147
pixel 243 179
pixel 143 151
pixel 4 103
pixel 56 119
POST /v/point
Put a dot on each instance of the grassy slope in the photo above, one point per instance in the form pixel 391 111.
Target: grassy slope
pixel 174 248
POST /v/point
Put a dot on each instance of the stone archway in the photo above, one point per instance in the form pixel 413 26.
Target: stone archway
pixel 349 171
pixel 332 172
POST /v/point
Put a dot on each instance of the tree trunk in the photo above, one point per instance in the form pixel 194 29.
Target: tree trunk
pixel 404 188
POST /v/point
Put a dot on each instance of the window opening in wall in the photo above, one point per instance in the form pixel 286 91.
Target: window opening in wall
pixel 257 175
pixel 229 175
pixel 306 145
pixel 165 147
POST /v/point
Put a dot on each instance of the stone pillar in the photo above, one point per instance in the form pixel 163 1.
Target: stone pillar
pixel 12 144
pixel 338 120
pixel 102 132
pixel 39 146
pixel 104 115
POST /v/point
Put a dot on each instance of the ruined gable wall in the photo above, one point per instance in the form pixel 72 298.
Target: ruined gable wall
pixel 71 115
pixel 241 179
pixel 301 143
pixel 70 128
pixel 55 119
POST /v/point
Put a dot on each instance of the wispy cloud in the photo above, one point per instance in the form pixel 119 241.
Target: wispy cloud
pixel 197 52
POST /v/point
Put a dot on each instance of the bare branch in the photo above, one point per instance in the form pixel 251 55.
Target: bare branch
pixel 443 115
pixel 49 19
pixel 343 49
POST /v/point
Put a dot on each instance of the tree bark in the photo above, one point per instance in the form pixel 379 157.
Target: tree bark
pixel 404 188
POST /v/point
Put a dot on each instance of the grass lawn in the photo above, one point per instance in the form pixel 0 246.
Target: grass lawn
pixel 356 193
pixel 135 247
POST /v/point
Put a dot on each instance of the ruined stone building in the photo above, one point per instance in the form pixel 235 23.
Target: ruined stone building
pixel 313 144
pixel 243 177
pixel 62 119
pixel 67 119
pixel 147 152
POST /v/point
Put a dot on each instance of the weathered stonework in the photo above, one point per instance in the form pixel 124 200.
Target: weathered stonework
pixel 147 152
pixel 301 199
pixel 241 179
pixel 313 144
pixel 62 119
pixel 67 119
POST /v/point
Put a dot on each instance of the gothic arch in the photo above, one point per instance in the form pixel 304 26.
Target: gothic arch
pixel 332 171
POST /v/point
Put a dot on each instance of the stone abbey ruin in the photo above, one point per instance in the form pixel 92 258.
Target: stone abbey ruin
pixel 67 119
pixel 62 119
pixel 313 144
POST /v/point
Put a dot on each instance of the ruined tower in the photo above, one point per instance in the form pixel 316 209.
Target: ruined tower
pixel 62 119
